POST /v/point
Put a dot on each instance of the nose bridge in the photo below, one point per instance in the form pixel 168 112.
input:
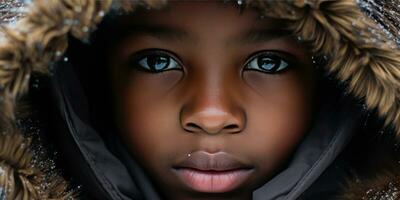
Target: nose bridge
pixel 212 107
pixel 211 94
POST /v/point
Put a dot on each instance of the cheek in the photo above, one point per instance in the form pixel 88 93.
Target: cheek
pixel 278 115
pixel 149 114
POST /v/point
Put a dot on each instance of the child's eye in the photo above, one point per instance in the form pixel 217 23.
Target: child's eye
pixel 267 62
pixel 155 62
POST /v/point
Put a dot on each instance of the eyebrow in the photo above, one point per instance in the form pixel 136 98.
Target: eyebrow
pixel 263 35
pixel 164 32
pixel 157 31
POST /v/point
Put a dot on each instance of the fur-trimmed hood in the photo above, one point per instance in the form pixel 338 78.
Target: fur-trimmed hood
pixel 360 49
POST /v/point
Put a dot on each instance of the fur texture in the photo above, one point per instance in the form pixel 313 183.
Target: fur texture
pixel 23 178
pixel 385 186
pixel 360 55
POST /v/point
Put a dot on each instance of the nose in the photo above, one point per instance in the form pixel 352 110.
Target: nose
pixel 212 115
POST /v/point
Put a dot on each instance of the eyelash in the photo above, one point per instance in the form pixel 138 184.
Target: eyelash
pixel 141 61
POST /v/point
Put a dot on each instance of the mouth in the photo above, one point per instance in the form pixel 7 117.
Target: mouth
pixel 212 173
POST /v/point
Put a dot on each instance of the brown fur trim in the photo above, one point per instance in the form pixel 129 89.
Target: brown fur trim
pixel 31 45
pixel 39 39
pixel 128 6
pixel 20 178
pixel 385 186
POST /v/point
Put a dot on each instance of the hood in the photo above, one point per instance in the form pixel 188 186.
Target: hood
pixel 360 49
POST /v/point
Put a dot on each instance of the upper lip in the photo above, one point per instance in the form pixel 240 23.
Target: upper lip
pixel 204 161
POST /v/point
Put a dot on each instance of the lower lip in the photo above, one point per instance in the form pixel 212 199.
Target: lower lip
pixel 213 181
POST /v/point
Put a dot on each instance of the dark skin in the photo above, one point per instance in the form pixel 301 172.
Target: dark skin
pixel 202 76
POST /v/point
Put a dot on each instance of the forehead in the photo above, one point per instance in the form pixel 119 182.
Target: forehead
pixel 200 18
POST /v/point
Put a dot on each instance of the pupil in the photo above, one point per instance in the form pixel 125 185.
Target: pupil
pixel 267 63
pixel 157 62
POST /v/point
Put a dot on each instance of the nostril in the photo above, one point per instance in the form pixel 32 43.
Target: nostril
pixel 233 128
pixel 192 127
pixel 212 121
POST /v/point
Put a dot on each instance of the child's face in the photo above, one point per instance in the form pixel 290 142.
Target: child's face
pixel 213 102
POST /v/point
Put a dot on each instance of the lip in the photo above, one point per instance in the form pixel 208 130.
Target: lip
pixel 214 173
